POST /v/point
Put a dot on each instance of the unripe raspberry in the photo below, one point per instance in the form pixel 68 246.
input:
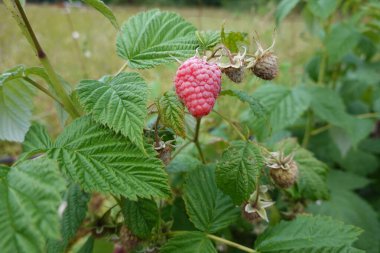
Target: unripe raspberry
pixel 250 217
pixel 285 178
pixel 266 67
pixel 197 84
pixel 283 169
pixel 236 75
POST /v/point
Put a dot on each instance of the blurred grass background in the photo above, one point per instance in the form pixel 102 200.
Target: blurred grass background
pixel 93 54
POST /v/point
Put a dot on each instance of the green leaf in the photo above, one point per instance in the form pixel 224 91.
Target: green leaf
pixel 284 8
pixel 254 104
pixel 311 181
pixel 104 10
pixel 283 106
pixel 88 246
pixel 233 40
pixel 308 234
pixel 154 37
pixel 16 102
pixel 207 39
pixel 348 207
pixel 172 113
pixel 100 160
pixel 359 162
pixel 182 163
pixel 140 216
pixel 120 103
pixel 208 207
pixel 328 106
pixel 74 214
pixel 237 170
pixel 347 181
pixel 340 41
pixel 30 196
pixel 189 242
pixel 37 138
pixel 322 8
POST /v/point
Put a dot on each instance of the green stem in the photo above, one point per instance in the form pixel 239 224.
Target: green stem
pixel 43 89
pixel 308 128
pixel 233 126
pixel 122 68
pixel 54 80
pixel 232 244
pixel 196 141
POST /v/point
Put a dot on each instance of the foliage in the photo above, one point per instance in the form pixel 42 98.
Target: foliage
pixel 139 172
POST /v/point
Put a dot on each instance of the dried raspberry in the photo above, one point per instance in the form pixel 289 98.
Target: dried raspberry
pixel 266 66
pixel 285 178
pixel 234 74
pixel 197 84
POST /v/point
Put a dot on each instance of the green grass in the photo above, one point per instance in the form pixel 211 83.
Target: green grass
pixel 54 26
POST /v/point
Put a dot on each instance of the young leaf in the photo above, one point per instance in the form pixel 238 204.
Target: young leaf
pixel 308 234
pixel 284 8
pixel 15 105
pixel 140 216
pixel 37 138
pixel 283 106
pixel 172 113
pixel 76 208
pixel 154 37
pixel 120 103
pixel 233 40
pixel 189 242
pixel 208 207
pixel 100 160
pixel 311 182
pixel 100 6
pixel 208 39
pixel 237 170
pixel 30 195
pixel 254 104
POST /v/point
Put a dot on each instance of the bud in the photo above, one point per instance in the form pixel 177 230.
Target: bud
pixel 233 66
pixel 283 169
pixel 266 67
pixel 254 209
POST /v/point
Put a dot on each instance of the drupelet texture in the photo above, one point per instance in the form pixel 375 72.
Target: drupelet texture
pixel 197 84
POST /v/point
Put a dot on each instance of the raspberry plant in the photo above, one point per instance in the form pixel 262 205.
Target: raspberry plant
pixel 137 174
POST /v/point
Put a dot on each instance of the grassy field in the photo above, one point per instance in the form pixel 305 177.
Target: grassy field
pixel 93 55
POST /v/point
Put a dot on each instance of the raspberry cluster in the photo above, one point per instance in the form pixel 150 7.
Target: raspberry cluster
pixel 197 84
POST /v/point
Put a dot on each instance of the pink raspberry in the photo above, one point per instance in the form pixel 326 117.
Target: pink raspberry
pixel 197 84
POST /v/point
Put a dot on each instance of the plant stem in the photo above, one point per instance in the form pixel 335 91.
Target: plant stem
pixel 122 68
pixel 156 137
pixel 196 142
pixel 43 89
pixel 232 244
pixel 233 126
pixel 180 149
pixel 54 80
pixel 308 128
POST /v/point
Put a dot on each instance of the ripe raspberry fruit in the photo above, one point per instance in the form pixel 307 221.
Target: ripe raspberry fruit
pixel 197 84
pixel 266 67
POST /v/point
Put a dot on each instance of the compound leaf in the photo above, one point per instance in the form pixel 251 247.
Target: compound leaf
pixel 154 37
pixel 237 170
pixel 101 7
pixel 30 195
pixel 120 103
pixel 37 138
pixel 100 160
pixel 208 207
pixel 189 242
pixel 308 234
pixel 172 113
pixel 140 216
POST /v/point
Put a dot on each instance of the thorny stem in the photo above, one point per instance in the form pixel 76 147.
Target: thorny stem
pixel 125 65
pixel 156 137
pixel 232 244
pixel 196 141
pixel 54 80
pixel 233 125
pixel 43 89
